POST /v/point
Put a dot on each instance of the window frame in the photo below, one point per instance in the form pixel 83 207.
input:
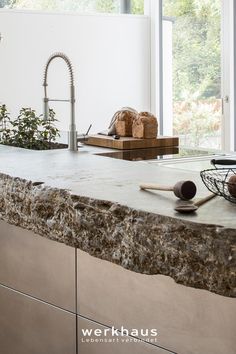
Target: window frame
pixel 125 7
pixel 153 9
pixel 228 75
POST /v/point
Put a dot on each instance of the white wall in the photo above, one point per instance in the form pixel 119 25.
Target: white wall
pixel 110 55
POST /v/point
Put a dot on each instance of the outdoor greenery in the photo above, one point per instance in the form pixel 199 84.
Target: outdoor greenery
pixel 197 122
pixel 137 7
pixel 6 3
pixel 108 6
pixel 196 69
pixel 28 130
pixel 196 47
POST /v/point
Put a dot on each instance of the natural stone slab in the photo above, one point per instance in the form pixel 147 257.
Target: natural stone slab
pixel 197 255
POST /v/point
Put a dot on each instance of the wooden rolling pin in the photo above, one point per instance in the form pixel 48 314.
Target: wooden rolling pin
pixel 184 190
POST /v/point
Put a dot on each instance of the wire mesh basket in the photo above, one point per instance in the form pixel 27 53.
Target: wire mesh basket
pixel 219 181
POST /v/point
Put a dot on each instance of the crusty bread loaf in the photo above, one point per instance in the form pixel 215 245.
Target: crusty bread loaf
pixel 145 126
pixel 124 121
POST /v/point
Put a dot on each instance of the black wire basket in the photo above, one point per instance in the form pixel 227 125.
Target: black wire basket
pixel 217 179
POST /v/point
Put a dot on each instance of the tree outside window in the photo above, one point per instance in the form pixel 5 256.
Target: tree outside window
pixel 104 6
pixel 196 70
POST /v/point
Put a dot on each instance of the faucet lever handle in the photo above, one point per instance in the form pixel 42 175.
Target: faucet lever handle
pixel 88 129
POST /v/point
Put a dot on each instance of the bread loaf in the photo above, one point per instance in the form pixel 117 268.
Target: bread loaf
pixel 145 126
pixel 124 121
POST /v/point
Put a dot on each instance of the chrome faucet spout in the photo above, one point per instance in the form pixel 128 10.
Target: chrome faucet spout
pixel 72 135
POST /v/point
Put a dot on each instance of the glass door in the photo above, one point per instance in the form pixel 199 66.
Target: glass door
pixel 192 71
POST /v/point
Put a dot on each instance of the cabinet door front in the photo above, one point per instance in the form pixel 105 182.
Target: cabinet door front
pixel 37 266
pixel 186 319
pixel 29 326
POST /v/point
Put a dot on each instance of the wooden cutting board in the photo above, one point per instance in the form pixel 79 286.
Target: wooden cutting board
pixel 132 143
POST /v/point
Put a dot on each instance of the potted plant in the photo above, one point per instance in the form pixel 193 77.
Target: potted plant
pixel 29 130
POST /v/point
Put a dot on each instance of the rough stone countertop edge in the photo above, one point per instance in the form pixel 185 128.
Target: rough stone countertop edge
pixel 193 254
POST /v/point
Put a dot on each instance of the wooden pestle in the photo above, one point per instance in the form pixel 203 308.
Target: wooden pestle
pixel 184 190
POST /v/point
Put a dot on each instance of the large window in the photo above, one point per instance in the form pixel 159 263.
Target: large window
pixel 192 71
pixel 86 6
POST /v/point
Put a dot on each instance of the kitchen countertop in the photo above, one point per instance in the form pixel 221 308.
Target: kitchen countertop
pixel 94 203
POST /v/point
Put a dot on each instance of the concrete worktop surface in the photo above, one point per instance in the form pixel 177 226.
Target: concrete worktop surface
pixel 87 174
pixel 196 250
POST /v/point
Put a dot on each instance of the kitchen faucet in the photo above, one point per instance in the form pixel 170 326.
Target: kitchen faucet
pixel 72 134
